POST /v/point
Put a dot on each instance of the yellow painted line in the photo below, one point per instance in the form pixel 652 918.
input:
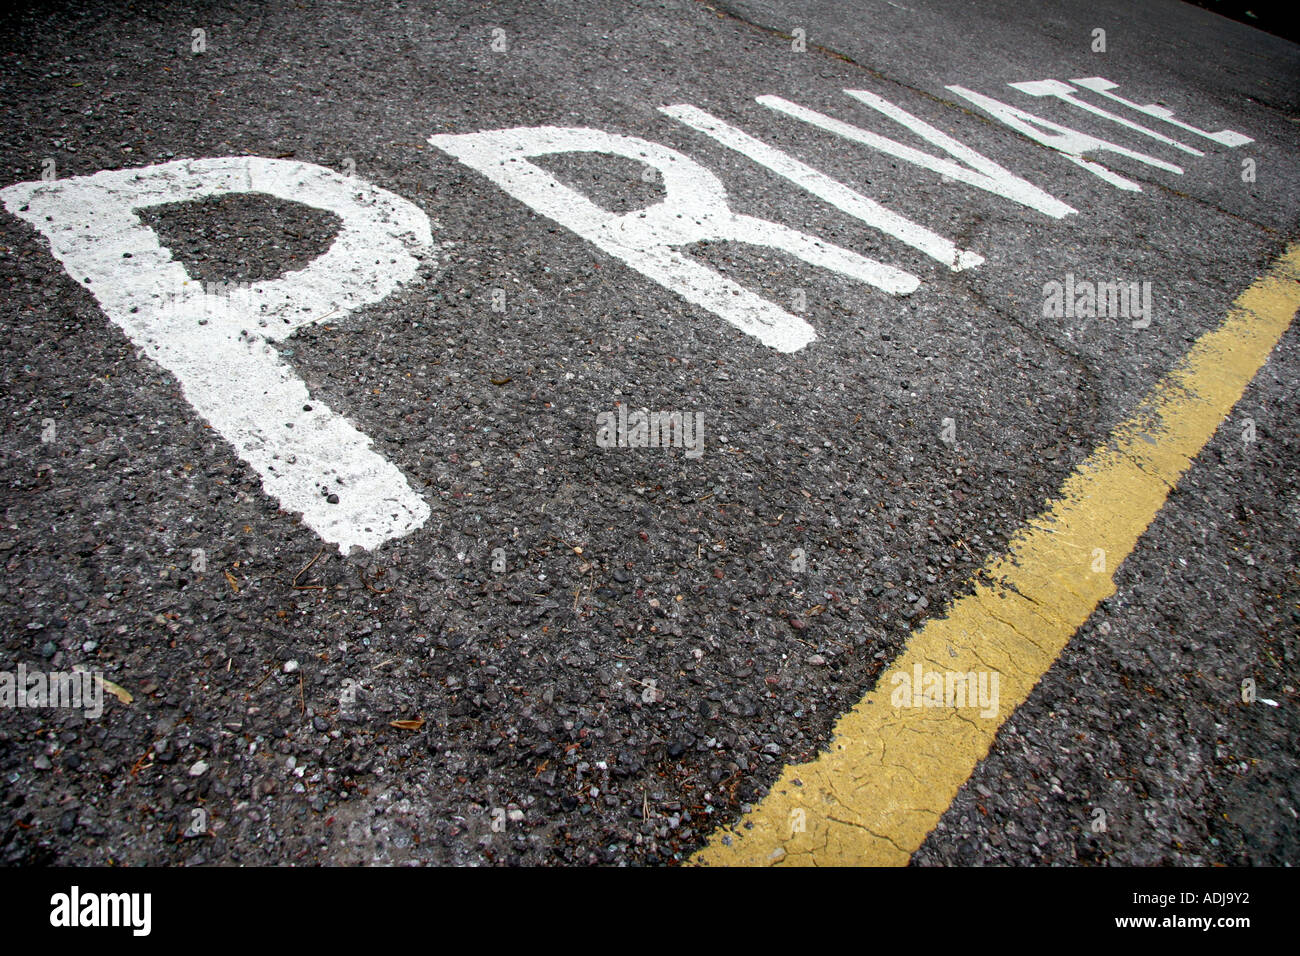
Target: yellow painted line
pixel 892 770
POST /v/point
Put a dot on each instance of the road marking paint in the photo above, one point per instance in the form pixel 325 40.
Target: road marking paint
pixel 1070 143
pixel 969 167
pixel 1065 93
pixel 892 771
pixel 1099 84
pixel 220 348
pixel 825 188
pixel 694 209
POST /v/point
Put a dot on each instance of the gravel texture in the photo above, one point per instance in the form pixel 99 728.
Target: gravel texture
pixel 654 650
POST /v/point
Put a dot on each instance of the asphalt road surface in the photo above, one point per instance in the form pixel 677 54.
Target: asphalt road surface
pixel 356 546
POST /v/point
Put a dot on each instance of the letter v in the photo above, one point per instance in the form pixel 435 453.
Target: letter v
pixel 966 165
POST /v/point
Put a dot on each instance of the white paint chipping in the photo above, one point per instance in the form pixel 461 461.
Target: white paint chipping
pixel 694 209
pixel 1071 143
pixel 1099 84
pixel 966 165
pixel 1065 93
pixel 825 188
pixel 219 348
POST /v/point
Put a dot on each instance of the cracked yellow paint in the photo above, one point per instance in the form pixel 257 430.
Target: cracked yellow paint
pixel 891 771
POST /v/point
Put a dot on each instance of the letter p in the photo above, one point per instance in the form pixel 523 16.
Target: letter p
pixel 221 348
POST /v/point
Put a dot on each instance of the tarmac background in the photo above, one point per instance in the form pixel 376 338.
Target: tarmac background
pixel 532 683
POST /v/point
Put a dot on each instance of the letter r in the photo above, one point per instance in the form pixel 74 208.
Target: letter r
pixel 650 240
